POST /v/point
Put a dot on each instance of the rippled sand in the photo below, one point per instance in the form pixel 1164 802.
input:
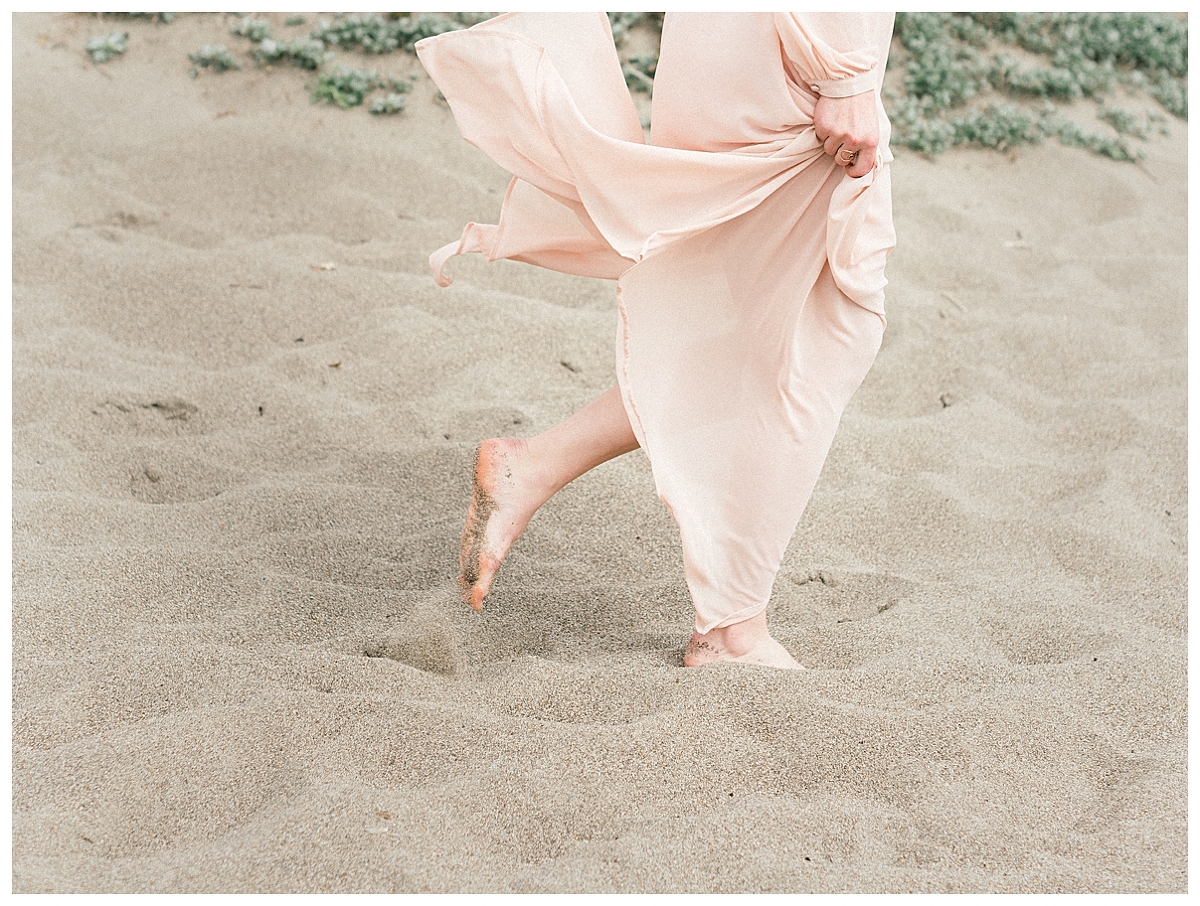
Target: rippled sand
pixel 239 663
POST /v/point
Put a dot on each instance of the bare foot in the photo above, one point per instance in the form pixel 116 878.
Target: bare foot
pixel 747 642
pixel 504 499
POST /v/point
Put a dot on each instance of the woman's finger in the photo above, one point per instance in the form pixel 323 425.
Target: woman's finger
pixel 862 164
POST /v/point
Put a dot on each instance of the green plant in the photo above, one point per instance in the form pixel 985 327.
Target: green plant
pixel 622 23
pixel 373 33
pixel 1123 121
pixel 390 103
pixel 952 62
pixel 998 126
pixel 1149 41
pixel 164 18
pixel 1172 93
pixel 303 52
pixel 1070 134
pixel 916 127
pixel 639 72
pixel 103 48
pixel 215 57
pixel 254 29
pixel 469 19
pixel 1083 79
pixel 345 87
pixel 426 25
pixel 370 33
pixel 944 71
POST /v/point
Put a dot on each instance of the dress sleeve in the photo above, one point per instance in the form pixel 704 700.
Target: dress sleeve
pixel 837 54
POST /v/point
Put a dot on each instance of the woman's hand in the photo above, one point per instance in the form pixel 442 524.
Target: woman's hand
pixel 849 127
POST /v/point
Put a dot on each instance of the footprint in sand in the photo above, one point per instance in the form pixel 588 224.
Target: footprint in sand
pixel 429 648
pixel 150 416
pixel 173 409
pixel 117 226
pixel 164 476
pixel 164 485
pixel 852 597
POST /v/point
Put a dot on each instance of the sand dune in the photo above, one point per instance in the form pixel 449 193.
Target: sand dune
pixel 239 663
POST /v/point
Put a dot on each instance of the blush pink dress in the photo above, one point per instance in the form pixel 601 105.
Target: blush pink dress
pixel 749 267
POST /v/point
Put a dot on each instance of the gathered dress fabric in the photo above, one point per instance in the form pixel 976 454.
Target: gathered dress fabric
pixel 749 266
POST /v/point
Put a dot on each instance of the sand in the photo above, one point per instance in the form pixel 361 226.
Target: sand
pixel 239 662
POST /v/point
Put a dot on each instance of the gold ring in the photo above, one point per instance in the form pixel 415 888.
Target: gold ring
pixel 846 156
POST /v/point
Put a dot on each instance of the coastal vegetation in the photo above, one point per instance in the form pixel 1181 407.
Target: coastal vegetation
pixel 1107 82
pixel 103 48
pixel 1007 79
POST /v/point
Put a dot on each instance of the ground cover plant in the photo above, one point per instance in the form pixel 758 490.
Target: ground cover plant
pixel 390 103
pixel 349 87
pixel 1101 81
pixel 253 29
pixel 998 79
pixel 373 33
pixel 215 57
pixel 336 83
pixel 1001 80
pixel 103 48
pixel 165 18
pixel 345 87
pixel 303 52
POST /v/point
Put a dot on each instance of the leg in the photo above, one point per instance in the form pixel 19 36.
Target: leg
pixel 837 343
pixel 515 477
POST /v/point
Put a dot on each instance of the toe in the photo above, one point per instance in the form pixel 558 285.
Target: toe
pixel 477 587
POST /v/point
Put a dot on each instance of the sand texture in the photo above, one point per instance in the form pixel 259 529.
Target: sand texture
pixel 239 661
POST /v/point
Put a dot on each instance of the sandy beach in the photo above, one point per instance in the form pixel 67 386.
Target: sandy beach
pixel 243 423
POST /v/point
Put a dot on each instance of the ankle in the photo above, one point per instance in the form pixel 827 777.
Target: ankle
pixel 545 474
pixel 740 638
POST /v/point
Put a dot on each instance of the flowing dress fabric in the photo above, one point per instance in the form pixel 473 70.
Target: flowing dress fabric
pixel 750 269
